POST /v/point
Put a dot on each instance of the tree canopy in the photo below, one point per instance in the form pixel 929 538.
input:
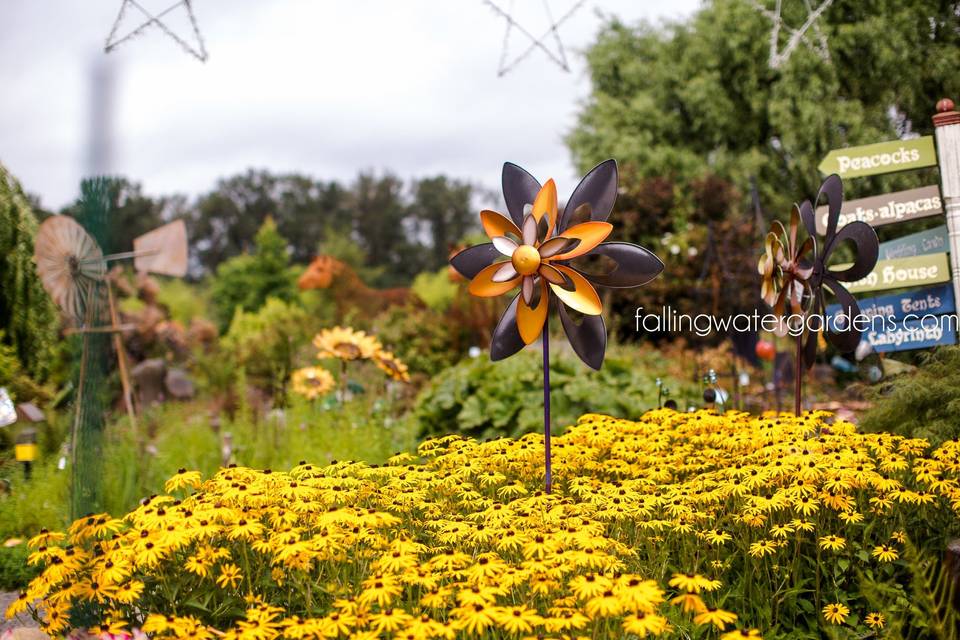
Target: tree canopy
pixel 697 97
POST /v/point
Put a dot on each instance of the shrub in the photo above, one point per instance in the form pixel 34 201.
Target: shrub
pixel 265 342
pixel 28 317
pixel 15 573
pixel 923 403
pixel 426 340
pixel 484 399
pixel 246 281
pixel 692 523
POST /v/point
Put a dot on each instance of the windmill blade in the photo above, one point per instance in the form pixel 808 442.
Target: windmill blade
pixel 69 262
pixel 163 250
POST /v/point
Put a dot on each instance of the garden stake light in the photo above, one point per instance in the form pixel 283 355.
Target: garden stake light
pixel 533 250
pixel 795 276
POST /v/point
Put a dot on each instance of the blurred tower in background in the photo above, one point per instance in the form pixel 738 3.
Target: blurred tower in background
pixel 99 159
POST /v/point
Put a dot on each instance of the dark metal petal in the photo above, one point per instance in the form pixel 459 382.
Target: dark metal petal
pixel 832 189
pixel 506 339
pixel 867 246
pixel 519 189
pixel 588 338
pixel 636 266
pixel 598 189
pixel 845 340
pixel 473 260
pixel 809 218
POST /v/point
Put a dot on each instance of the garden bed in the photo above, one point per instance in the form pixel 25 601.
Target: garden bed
pixel 696 523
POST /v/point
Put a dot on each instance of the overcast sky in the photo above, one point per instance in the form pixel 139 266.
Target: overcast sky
pixel 324 88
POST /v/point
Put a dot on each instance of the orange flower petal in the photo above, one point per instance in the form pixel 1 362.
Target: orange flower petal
pixel 484 286
pixel 583 298
pixel 496 224
pixel 545 204
pixel 590 234
pixel 530 319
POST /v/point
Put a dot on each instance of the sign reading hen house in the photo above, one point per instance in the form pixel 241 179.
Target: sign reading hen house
pixel 882 157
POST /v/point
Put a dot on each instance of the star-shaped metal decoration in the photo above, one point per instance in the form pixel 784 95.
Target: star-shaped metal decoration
pixel 778 56
pixel 558 56
pixel 535 249
pixel 197 50
pixel 796 277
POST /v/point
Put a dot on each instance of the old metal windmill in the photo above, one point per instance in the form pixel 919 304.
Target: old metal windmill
pixel 74 272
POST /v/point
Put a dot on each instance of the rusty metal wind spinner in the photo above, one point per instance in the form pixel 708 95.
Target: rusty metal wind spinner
pixel 533 250
pixel 796 276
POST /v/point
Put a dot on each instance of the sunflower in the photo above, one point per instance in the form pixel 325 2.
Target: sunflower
pixel 644 624
pixel 693 582
pixel 832 542
pixel 875 620
pixel 345 343
pixel 717 617
pixel 391 365
pixel 312 382
pixel 885 553
pixel 836 612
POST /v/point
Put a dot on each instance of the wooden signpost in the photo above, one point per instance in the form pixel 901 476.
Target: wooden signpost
pixel 935 300
pixel 916 333
pixel 921 317
pixel 899 273
pixel 876 211
pixel 882 157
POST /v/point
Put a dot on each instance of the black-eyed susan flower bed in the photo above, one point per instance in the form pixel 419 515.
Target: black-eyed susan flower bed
pixel 696 525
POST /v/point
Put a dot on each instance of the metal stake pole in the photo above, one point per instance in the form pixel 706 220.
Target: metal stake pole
pixel 946 124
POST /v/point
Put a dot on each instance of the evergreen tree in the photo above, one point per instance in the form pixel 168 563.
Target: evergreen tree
pixel 246 281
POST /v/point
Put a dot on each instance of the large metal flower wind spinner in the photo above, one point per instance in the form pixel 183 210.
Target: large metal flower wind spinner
pixel 796 277
pixel 533 250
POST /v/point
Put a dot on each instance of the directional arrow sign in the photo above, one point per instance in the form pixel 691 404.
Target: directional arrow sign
pixel 916 244
pixel 876 211
pixel 935 300
pixel 882 157
pixel 917 333
pixel 900 273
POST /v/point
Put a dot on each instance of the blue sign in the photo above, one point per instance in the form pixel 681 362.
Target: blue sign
pixel 916 244
pixel 935 300
pixel 929 331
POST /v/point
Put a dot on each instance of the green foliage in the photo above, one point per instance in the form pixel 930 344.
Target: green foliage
pixel 364 429
pixel 698 96
pixel 15 573
pixel 443 206
pixel 265 342
pixel 28 317
pixel 920 404
pixel 246 281
pixel 43 501
pixel 435 288
pixel 483 399
pixel 425 340
pixel 185 301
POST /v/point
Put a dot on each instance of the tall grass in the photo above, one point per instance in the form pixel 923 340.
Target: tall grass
pixel 135 463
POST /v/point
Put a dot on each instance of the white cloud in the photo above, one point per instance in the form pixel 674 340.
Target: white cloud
pixel 325 88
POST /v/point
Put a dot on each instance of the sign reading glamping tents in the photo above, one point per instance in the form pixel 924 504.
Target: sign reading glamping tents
pixel 909 320
pixel 916 318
